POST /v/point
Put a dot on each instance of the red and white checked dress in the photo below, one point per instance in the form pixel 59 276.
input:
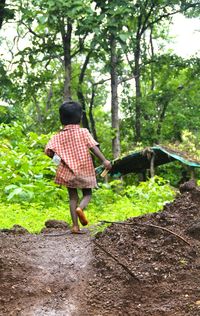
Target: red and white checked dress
pixel 76 169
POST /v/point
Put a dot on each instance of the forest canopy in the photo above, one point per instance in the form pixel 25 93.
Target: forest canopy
pixel 107 55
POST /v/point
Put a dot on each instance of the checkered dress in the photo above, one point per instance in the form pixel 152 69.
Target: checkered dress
pixel 76 169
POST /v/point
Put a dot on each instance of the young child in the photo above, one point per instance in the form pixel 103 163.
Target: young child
pixel 75 170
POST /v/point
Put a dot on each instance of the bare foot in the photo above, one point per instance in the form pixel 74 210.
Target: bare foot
pixel 76 230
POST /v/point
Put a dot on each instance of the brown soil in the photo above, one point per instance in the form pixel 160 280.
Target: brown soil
pixel 156 273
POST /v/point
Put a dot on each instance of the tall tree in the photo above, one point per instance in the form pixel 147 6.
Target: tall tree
pixel 111 13
pixel 59 20
pixel 143 17
pixel 57 32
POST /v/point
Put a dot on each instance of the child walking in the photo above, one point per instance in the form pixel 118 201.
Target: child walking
pixel 75 170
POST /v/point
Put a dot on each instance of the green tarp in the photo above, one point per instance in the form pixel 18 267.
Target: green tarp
pixel 139 161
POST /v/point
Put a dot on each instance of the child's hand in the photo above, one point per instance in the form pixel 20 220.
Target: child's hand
pixel 107 164
pixel 56 159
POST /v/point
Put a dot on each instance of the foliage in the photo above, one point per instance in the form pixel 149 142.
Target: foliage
pixel 33 81
pixel 113 202
pixel 26 173
pixel 104 131
pixel 32 216
pixel 189 145
pixel 168 107
pixel 188 148
pixel 119 202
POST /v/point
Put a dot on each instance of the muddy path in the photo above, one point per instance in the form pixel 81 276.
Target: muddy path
pixel 150 267
pixel 43 275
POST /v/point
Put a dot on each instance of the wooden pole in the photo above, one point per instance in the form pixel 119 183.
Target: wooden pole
pixel 152 168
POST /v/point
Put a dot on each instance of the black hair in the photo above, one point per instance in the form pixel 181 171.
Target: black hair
pixel 70 113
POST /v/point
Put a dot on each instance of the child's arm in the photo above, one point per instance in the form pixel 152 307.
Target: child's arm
pixel 98 154
pixel 49 152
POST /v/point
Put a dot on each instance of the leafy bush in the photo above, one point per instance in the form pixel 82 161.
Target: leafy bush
pixel 118 202
pixel 26 173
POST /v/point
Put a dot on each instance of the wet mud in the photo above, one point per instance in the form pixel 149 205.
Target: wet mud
pixel 149 265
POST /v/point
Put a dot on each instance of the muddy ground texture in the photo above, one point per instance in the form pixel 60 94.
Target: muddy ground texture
pixel 148 265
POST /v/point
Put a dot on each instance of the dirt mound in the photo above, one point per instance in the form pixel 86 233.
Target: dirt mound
pixel 15 230
pixel 149 265
pixel 160 270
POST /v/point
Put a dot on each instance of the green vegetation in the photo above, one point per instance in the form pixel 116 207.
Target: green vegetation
pixel 115 201
pixel 29 196
pixel 111 202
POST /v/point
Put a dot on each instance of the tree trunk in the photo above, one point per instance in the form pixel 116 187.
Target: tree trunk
pixel 161 119
pixel 50 94
pixel 66 39
pixel 152 57
pixel 92 121
pixel 114 98
pixel 81 99
pixel 38 110
pixel 2 11
pixel 80 91
pixel 137 91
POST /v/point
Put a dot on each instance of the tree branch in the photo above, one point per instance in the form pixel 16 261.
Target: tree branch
pixel 116 260
pixel 163 16
pixel 81 46
pixel 149 225
pixel 146 19
pixel 32 32
pixel 108 79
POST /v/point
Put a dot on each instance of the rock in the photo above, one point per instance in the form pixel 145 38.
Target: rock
pixel 188 186
pixel 57 224
pixel 194 230
pixel 194 190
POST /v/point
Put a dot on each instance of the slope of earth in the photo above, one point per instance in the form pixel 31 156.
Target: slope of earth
pixel 161 271
pixel 135 268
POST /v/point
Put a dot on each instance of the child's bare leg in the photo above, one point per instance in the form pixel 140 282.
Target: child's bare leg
pixel 73 202
pixel 87 193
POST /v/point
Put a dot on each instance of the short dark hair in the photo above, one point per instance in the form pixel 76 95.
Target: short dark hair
pixel 70 113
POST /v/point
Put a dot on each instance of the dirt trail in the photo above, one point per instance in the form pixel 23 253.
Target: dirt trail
pixel 70 275
pixel 43 276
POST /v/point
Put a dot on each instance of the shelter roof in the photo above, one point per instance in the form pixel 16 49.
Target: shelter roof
pixel 139 161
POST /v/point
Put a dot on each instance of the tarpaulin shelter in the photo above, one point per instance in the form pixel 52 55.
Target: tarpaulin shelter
pixel 138 162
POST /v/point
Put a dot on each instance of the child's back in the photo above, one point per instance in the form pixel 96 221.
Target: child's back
pixel 72 145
